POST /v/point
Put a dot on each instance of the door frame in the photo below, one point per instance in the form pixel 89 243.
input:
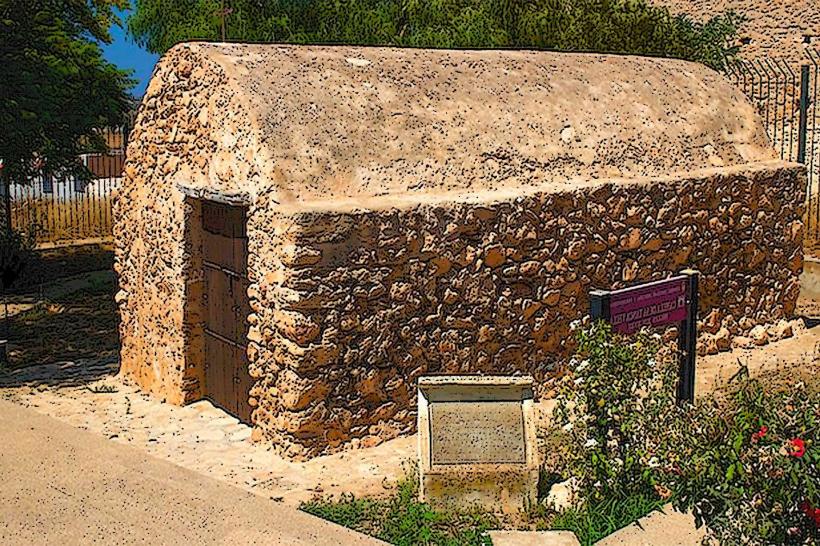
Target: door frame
pixel 194 384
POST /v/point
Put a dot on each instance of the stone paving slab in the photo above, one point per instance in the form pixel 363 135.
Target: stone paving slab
pixel 660 528
pixel 533 538
pixel 65 486
pixel 667 528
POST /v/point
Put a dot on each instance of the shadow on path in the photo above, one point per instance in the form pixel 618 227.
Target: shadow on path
pixel 60 374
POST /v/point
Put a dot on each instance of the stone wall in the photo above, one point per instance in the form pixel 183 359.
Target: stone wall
pixel 772 28
pixel 155 227
pixel 352 305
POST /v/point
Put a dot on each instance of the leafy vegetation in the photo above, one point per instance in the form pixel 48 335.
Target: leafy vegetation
pixel 615 26
pixel 745 462
pixel 748 466
pixel 593 522
pixel 400 519
pixel 16 252
pixel 56 85
pixel 613 407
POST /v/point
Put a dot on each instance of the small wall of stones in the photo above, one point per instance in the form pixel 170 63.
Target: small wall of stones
pixel 769 29
pixel 350 307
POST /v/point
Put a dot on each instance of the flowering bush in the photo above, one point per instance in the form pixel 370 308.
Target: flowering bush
pixel 748 464
pixel 743 461
pixel 611 405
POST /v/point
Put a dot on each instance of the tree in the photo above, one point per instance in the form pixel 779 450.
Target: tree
pixel 609 26
pixel 16 251
pixel 56 86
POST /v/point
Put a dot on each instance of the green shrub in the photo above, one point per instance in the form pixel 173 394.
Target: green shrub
pixel 347 510
pixel 612 405
pixel 745 462
pixel 607 26
pixel 402 520
pixel 16 250
pixel 747 466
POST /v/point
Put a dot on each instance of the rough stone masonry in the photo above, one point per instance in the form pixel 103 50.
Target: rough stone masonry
pixel 420 212
pixel 779 29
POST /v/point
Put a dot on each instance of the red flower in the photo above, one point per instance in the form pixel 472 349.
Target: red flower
pixel 811 513
pixel 757 436
pixel 796 447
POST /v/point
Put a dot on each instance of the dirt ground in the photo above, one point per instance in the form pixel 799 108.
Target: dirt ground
pixel 64 486
pixel 71 319
pixel 53 263
pixel 89 395
pixel 799 354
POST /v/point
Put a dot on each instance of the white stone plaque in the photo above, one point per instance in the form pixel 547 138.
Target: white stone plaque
pixel 477 441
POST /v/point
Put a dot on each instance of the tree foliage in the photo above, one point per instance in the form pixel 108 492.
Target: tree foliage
pixel 614 26
pixel 16 251
pixel 56 86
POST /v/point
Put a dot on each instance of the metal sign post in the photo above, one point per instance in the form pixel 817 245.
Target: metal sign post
pixel 659 303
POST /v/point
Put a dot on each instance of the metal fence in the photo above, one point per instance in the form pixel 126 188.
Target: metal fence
pixel 785 94
pixel 72 210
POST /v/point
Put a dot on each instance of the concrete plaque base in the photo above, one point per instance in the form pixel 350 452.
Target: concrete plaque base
pixel 477 444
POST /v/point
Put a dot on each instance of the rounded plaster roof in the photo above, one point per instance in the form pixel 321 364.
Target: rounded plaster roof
pixel 304 123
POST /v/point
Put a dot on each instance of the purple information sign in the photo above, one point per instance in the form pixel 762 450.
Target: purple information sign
pixel 651 304
pixel 670 301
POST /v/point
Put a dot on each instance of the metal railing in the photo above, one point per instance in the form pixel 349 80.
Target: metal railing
pixel 785 94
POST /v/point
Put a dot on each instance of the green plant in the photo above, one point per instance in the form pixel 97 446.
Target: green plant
pixel 613 405
pixel 611 26
pixel 58 88
pixel 347 510
pixel 744 461
pixel 16 251
pixel 592 522
pixel 747 465
pixel 402 520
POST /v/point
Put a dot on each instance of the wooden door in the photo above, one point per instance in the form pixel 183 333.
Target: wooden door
pixel 225 263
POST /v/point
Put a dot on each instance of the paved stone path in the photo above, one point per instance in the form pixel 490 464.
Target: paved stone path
pixel 65 486
pixel 90 396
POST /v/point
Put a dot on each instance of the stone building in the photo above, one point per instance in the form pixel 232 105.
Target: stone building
pixel 775 39
pixel 304 231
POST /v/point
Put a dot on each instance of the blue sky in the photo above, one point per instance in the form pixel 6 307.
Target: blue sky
pixel 126 54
